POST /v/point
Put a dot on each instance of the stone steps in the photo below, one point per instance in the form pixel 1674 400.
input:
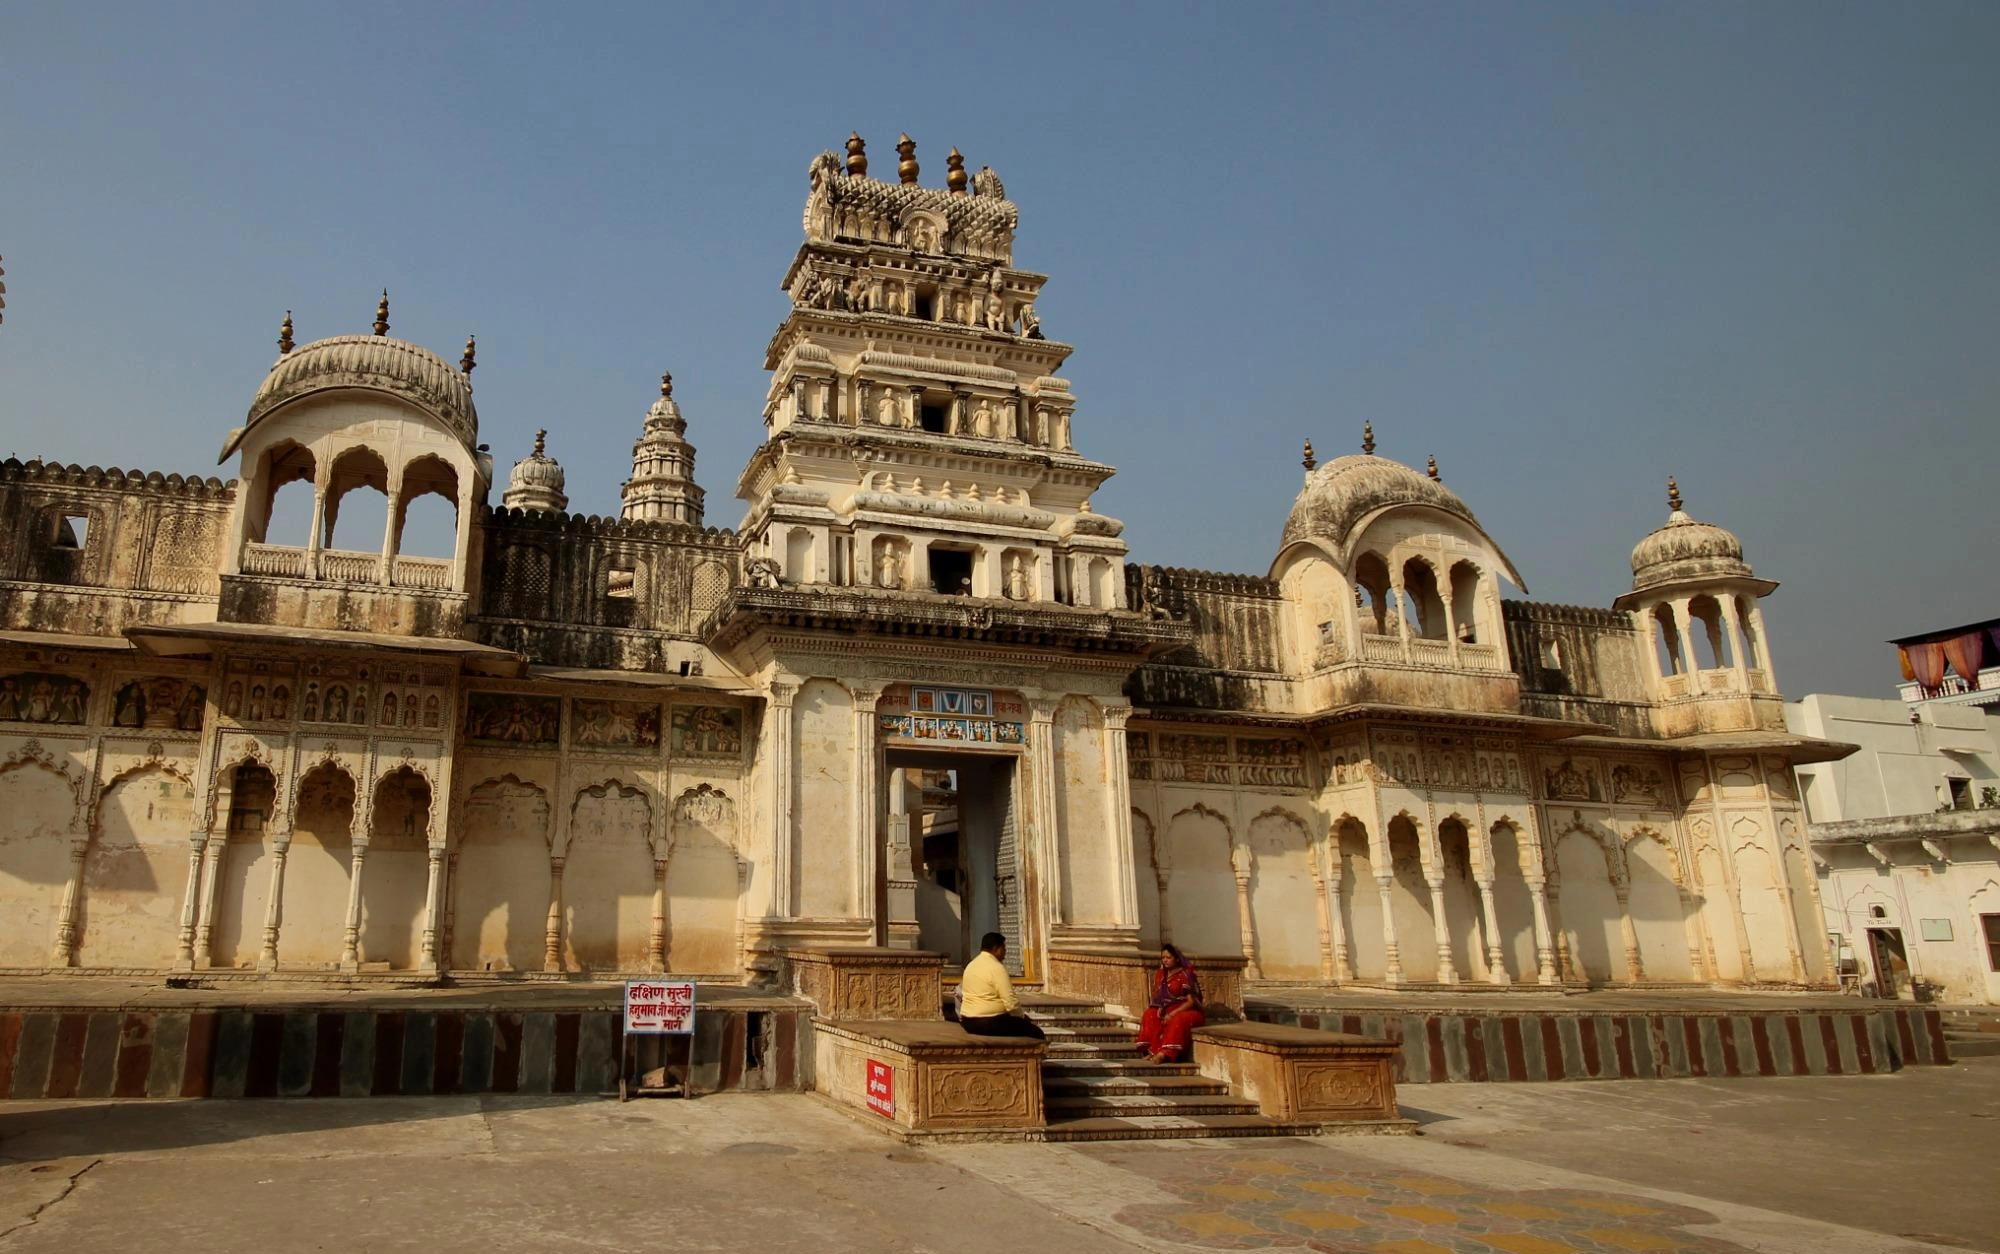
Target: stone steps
pixel 1130 1105
pixel 1966 1044
pixel 1125 1084
pixel 1171 1127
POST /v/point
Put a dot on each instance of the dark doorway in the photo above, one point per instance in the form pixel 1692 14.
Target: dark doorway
pixel 963 854
pixel 951 571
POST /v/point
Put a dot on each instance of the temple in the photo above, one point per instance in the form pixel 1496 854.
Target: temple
pixel 918 692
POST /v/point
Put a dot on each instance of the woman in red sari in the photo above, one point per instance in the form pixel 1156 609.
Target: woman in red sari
pixel 1175 1010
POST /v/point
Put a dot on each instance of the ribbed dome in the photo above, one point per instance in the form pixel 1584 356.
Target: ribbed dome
pixel 1342 492
pixel 372 361
pixel 666 413
pixel 537 481
pixel 1685 549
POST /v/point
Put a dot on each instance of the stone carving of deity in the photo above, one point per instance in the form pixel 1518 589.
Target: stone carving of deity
pixel 1017 579
pixel 885 407
pixel 889 568
pixel 982 420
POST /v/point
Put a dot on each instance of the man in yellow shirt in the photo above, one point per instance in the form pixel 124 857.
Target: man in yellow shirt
pixel 987 1005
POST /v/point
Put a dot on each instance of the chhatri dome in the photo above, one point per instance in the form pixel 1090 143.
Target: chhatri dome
pixel 537 481
pixel 1684 549
pixel 1342 494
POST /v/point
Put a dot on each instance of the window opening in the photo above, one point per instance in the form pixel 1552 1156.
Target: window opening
pixel 1961 792
pixel 931 418
pixel 1990 925
pixel 73 531
pixel 951 571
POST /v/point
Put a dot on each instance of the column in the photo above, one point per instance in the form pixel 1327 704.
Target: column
pixel 1628 932
pixel 1326 966
pixel 1545 958
pixel 350 938
pixel 1401 601
pixel 1763 648
pixel 552 926
pixel 867 806
pixel 391 529
pixel 191 901
pixel 1240 862
pixel 1042 770
pixel 778 727
pixel 274 904
pixel 449 930
pixel 1698 963
pixel 63 952
pixel 656 943
pixel 1441 924
pixel 1682 626
pixel 798 391
pixel 1385 885
pixel 1450 621
pixel 1118 817
pixel 211 887
pixel 1734 626
pixel 899 929
pixel 1343 964
pixel 314 540
pixel 914 406
pixel 1496 953
pixel 427 955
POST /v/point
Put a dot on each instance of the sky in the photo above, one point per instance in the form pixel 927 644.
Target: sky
pixel 1568 249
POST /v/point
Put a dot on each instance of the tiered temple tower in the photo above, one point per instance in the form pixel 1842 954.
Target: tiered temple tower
pixel 918 436
pixel 662 487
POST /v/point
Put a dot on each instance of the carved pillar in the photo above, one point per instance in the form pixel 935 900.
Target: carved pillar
pixel 1042 764
pixel 959 417
pixel 1343 965
pixel 779 730
pixel 1545 955
pixel 1496 953
pixel 427 955
pixel 1240 862
pixel 1450 621
pixel 350 938
pixel 274 904
pixel 1326 964
pixel 1763 648
pixel 211 888
pixel 191 901
pixel 899 928
pixel 448 932
pixel 1698 963
pixel 1118 818
pixel 314 540
pixel 656 944
pixel 1734 626
pixel 63 952
pixel 1682 627
pixel 1441 924
pixel 1628 932
pixel 1401 600
pixel 392 530
pixel 552 959
pixel 867 805
pixel 798 392
pixel 1393 959
pixel 914 406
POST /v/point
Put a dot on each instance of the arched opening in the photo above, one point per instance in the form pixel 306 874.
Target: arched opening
pixel 34 860
pixel 284 515
pixel 1420 597
pixel 135 874
pixel 1666 640
pixel 608 880
pixel 427 525
pixel 249 797
pixel 1589 907
pixel 1710 649
pixel 799 556
pixel 1465 602
pixel 1654 899
pixel 1371 596
pixel 357 502
pixel 702 882
pixel 318 868
pixel 1464 919
pixel 500 879
pixel 1360 901
pixel 1513 903
pixel 396 874
pixel 1410 899
pixel 1103 583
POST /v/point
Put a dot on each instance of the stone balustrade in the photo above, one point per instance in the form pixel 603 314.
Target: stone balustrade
pixel 340 566
pixel 432 574
pixel 281 561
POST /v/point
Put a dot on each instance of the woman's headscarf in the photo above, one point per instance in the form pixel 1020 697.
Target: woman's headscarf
pixel 1160 997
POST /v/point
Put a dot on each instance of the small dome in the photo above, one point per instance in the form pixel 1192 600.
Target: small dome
pixel 372 361
pixel 537 481
pixel 1686 550
pixel 1341 493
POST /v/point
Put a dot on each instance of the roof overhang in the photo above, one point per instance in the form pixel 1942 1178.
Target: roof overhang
pixel 62 640
pixel 1799 750
pixel 202 639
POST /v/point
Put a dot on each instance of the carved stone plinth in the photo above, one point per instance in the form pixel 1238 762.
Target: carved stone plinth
pixel 1124 980
pixel 943 1080
pixel 864 983
pixel 1302 1076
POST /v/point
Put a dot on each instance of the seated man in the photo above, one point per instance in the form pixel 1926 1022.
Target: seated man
pixel 987 1005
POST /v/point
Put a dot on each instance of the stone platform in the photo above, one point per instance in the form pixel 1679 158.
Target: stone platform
pixel 1616 1034
pixel 86 1037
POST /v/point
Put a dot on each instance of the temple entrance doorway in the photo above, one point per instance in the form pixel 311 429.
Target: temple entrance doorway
pixel 952 856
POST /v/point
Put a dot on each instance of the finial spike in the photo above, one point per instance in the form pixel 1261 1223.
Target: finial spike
pixel 285 335
pixel 954 173
pixel 470 361
pixel 1673 495
pixel 1432 469
pixel 906 148
pixel 857 156
pixel 382 314
pixel 666 385
pixel 1310 461
pixel 1368 438
pixel 541 441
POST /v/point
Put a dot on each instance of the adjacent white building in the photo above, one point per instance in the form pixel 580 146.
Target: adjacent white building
pixel 1906 833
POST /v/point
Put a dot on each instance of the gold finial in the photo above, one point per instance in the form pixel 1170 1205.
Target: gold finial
pixel 382 314
pixel 285 335
pixel 1368 438
pixel 954 173
pixel 857 156
pixel 1310 461
pixel 541 441
pixel 1673 495
pixel 666 385
pixel 470 361
pixel 906 148
pixel 1432 469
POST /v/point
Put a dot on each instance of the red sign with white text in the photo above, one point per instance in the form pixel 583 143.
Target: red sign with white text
pixel 659 1007
pixel 882 1088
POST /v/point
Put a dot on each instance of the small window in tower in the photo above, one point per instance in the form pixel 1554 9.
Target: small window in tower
pixel 931 417
pixel 1552 655
pixel 951 571
pixel 927 306
pixel 73 531
pixel 1961 792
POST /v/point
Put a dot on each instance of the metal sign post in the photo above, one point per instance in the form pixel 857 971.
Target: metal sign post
pixel 656 1008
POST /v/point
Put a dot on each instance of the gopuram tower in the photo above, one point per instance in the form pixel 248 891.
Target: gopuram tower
pixel 927 591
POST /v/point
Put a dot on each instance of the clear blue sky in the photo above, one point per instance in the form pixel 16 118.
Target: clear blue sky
pixel 1568 248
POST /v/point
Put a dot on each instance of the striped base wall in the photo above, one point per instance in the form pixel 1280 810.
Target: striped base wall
pixel 1441 1047
pixel 369 1053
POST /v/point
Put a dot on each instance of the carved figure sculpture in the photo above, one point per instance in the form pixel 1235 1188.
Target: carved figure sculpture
pixel 1017 579
pixel 1031 326
pixel 762 572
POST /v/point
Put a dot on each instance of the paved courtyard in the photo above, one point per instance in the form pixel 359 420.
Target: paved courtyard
pixel 1854 1165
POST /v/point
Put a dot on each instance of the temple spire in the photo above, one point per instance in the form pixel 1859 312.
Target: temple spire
pixel 1673 495
pixel 1368 438
pixel 470 361
pixel 1431 469
pixel 954 173
pixel 1310 460
pixel 285 344
pixel 382 314
pixel 857 156
pixel 906 148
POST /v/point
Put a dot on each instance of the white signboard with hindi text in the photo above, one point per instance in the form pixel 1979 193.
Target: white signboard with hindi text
pixel 659 1007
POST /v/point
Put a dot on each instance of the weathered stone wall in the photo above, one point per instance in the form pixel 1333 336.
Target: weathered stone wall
pixel 1235 660
pixel 1578 662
